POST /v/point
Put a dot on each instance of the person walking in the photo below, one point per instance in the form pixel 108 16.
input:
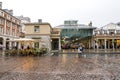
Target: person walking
pixel 80 49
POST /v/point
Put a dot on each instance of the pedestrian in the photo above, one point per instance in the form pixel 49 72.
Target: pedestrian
pixel 96 45
pixel 80 49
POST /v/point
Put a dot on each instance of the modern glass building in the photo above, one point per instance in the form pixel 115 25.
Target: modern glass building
pixel 74 33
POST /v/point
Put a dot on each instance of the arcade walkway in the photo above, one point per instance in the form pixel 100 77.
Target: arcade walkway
pixel 61 67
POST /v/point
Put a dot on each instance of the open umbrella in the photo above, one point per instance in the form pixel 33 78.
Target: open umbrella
pixel 22 40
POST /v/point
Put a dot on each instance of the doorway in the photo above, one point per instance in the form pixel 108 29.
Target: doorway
pixel 55 44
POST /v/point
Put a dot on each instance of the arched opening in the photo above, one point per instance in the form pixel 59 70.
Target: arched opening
pixel 7 44
pixel 1 40
pixel 1 43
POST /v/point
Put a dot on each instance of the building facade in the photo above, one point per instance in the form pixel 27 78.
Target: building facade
pixel 9 29
pixel 41 32
pixel 56 39
pixel 23 21
pixel 107 37
pixel 44 34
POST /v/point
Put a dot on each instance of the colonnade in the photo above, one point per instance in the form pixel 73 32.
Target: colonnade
pixel 106 43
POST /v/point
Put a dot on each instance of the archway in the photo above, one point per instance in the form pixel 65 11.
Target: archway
pixel 7 44
pixel 1 43
pixel 1 40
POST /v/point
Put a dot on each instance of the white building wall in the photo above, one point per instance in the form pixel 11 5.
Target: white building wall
pixel 44 41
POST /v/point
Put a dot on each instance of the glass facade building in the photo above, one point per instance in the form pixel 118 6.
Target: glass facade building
pixel 74 33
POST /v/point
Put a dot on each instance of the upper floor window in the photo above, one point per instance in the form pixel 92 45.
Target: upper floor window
pixel 13 19
pixel 8 17
pixel 1 13
pixel 36 28
pixel 1 30
pixel 2 21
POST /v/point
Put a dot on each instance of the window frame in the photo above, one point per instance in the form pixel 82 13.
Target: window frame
pixel 36 29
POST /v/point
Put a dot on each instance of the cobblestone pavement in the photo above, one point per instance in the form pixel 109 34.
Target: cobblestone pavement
pixel 61 67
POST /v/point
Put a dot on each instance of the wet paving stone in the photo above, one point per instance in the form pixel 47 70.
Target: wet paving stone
pixel 61 67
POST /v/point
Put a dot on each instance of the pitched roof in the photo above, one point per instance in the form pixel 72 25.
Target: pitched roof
pixel 110 26
pixel 78 26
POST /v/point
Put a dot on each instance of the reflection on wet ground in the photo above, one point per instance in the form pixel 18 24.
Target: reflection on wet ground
pixel 61 67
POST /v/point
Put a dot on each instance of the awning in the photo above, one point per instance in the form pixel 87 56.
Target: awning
pixel 22 40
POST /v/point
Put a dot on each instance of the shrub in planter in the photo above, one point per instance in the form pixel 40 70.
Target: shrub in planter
pixel 43 50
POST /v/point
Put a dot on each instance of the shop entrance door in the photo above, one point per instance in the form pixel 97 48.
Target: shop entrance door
pixel 55 44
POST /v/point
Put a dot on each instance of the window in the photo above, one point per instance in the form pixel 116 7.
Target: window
pixel 1 30
pixel 36 28
pixel 2 21
pixel 8 17
pixel 1 13
pixel 8 24
pixel 13 19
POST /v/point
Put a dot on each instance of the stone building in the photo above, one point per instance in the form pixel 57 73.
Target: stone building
pixel 43 33
pixel 23 21
pixel 9 29
pixel 108 36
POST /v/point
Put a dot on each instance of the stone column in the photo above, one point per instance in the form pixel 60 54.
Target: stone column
pixel 109 44
pixel 89 44
pixel 39 44
pixel 97 44
pixel 15 45
pixel 59 44
pixel 4 43
pixel 93 43
pixel 105 43
pixel 19 45
pixel 5 28
pixel 11 29
pixel 10 45
pixel 113 44
pixel 48 43
pixel 15 30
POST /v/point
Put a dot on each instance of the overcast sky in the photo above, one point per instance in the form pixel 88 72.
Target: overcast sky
pixel 100 12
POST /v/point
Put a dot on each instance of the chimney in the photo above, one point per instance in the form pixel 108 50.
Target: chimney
pixel 39 20
pixel 11 12
pixel 1 5
pixel 90 24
